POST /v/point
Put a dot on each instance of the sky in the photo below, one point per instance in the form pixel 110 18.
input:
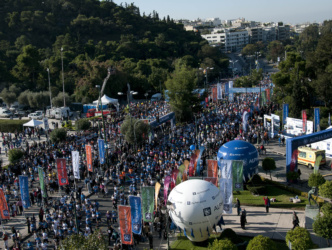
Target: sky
pixel 287 11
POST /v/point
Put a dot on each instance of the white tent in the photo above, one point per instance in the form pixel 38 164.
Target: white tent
pixel 107 100
pixel 32 123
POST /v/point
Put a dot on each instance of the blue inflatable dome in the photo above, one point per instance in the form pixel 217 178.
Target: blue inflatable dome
pixel 243 151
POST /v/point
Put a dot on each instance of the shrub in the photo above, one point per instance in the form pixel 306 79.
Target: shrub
pixel 300 238
pixel 323 226
pixel 222 244
pixel 82 124
pixel 256 185
pixel 58 134
pixel 327 209
pixel 11 125
pixel 231 235
pixel 259 190
pixel 261 243
pixel 325 190
pixel 15 155
pixel 268 164
pixel 315 180
pixel 255 180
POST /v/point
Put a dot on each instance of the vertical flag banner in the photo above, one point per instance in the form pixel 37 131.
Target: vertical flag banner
pixel 101 149
pixel 226 88
pixel 24 187
pixel 212 168
pixel 174 175
pixel 304 121
pixel 198 168
pixel 182 168
pixel 230 84
pixel 226 185
pixel 3 206
pixel 214 94
pixel 42 183
pixel 268 95
pixel 245 118
pixel 125 225
pixel 317 163
pixel 148 203
pixel 213 180
pixel 285 111
pixel 237 172
pixel 62 172
pixel 89 157
pixel 136 214
pixel 167 181
pixel 219 91
pixel 75 156
pixel 317 119
pixel 263 97
pixel 156 193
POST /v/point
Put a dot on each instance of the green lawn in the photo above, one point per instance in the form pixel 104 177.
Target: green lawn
pixel 282 198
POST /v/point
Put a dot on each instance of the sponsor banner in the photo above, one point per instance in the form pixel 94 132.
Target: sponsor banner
pixel 125 225
pixel 219 91
pixel 182 168
pixel 174 175
pixel 226 185
pixel 237 172
pixel 24 188
pixel 198 168
pixel 89 157
pixel 42 183
pixel 167 181
pixel 148 203
pixel 230 83
pixel 136 214
pixel 212 168
pixel 304 121
pixel 45 121
pixel 245 118
pixel 62 172
pixel 317 119
pixel 192 164
pixel 226 88
pixel 214 94
pixel 101 149
pixel 213 180
pixel 156 193
pixel 186 163
pixel 263 97
pixel 268 95
pixel 75 156
pixel 3 206
pixel 285 111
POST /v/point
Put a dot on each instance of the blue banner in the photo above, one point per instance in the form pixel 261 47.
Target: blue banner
pixel 24 187
pixel 226 88
pixel 317 119
pixel 136 214
pixel 285 111
pixel 198 168
pixel 101 149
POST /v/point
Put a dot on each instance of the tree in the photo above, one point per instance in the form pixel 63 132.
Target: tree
pixel 315 180
pixel 322 226
pixel 134 130
pixel 325 190
pixel 8 96
pixel 261 242
pixel 292 176
pixel 79 241
pixel 58 100
pixel 58 135
pixel 180 86
pixel 249 50
pixel 276 49
pixel 299 238
pixel 269 164
pixel 15 155
pixel 82 124
pixel 327 209
pixel 222 245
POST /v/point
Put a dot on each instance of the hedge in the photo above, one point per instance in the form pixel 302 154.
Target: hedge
pixel 12 126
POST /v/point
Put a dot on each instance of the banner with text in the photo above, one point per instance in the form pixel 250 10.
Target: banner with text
pixel 101 149
pixel 75 157
pixel 62 172
pixel 212 168
pixel 3 206
pixel 226 185
pixel 317 120
pixel 136 214
pixel 42 183
pixel 304 121
pixel 167 181
pixel 89 157
pixel 24 188
pixel 285 111
pixel 219 91
pixel 213 180
pixel 156 193
pixel 125 225
pixel 237 172
pixel 214 94
pixel 198 168
pixel 148 203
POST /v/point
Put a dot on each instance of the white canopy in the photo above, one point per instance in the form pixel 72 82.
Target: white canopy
pixel 32 123
pixel 107 100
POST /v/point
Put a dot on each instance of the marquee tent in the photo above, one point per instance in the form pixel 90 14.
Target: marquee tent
pixel 107 100
pixel 32 123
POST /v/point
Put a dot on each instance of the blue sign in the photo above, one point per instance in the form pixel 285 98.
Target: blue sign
pixel 24 187
pixel 226 88
pixel 136 214
pixel 162 120
pixel 101 149
pixel 317 118
pixel 285 111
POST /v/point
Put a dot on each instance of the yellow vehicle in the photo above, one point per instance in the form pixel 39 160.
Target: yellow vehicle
pixel 307 156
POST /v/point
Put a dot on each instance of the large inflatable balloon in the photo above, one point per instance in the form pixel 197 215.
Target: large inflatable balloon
pixel 197 208
pixel 192 147
pixel 243 151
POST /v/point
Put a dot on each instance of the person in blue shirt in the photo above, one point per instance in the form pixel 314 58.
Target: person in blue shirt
pixel 29 245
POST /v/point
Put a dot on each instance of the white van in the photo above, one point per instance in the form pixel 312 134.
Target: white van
pixel 156 97
pixel 5 113
pixel 62 112
pixel 50 113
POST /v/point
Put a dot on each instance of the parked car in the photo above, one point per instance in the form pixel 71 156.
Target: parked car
pixel 5 113
pixel 35 116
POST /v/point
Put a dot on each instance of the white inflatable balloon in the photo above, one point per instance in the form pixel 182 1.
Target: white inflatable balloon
pixel 197 206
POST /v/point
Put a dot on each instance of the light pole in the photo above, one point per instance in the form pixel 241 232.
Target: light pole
pixel 146 96
pixel 205 71
pixel 63 80
pixel 233 62
pixel 49 85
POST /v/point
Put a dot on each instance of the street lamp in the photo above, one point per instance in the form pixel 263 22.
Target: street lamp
pixel 166 210
pixel 205 71
pixel 146 96
pixel 49 85
pixel 63 80
pixel 233 62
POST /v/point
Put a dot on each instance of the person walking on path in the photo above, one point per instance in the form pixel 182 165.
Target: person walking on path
pixel 295 220
pixel 243 219
pixel 238 206
pixel 266 203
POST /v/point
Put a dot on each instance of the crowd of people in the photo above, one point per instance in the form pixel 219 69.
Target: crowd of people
pixel 128 168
